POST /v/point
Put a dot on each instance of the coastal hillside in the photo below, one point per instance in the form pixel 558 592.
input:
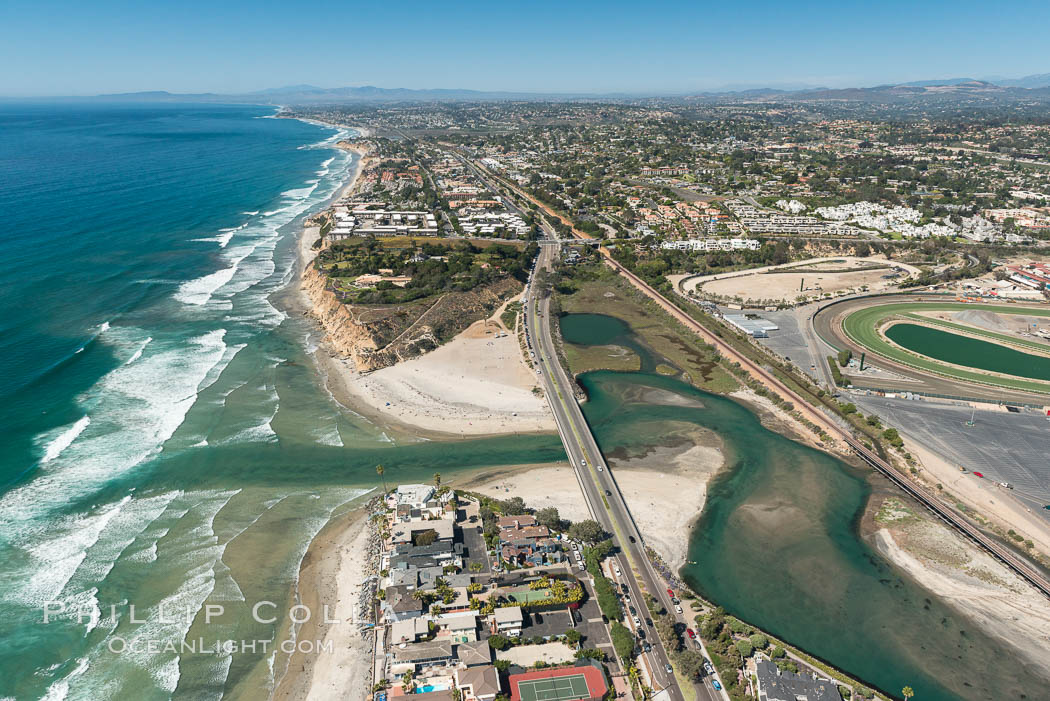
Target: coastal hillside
pixel 383 300
pixel 376 336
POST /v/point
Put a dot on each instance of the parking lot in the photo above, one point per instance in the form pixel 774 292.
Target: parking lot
pixel 1003 446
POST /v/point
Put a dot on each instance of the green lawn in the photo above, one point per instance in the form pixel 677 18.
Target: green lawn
pixel 862 327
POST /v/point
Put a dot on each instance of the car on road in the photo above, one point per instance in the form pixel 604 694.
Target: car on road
pixel 583 462
pixel 691 634
pixel 708 668
pixel 716 685
pixel 608 493
pixel 678 609
pixel 579 566
pixel 600 468
pixel 631 538
pixel 669 669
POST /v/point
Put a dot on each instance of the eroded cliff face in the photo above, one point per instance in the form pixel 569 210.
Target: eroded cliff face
pixel 377 337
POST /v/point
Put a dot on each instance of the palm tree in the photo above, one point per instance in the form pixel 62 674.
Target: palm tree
pixel 379 471
pixel 907 692
pixel 437 479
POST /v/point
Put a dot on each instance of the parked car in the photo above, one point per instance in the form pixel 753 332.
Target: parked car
pixel 678 609
pixel 670 593
pixel 647 647
pixel 690 632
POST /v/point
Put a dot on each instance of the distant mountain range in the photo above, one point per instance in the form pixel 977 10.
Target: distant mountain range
pixel 311 94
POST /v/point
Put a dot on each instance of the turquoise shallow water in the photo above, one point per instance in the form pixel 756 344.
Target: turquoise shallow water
pixel 168 444
pixel 778 545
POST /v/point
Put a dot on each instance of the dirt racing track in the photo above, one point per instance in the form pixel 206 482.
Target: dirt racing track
pixel 856 324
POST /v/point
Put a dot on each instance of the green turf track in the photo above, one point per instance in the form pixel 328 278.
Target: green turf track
pixel 862 328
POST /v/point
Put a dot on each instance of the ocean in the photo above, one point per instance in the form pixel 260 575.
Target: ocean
pixel 168 443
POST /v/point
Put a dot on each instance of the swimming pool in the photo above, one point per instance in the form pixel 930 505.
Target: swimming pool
pixel 430 687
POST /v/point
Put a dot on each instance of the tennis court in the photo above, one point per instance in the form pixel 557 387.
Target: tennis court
pixel 556 689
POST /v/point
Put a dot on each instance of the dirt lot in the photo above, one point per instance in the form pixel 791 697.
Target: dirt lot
pixel 811 279
pixel 788 287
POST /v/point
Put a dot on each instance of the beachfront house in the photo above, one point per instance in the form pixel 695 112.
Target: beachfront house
pixel 417 531
pixel 409 630
pixel 400 604
pixel 414 657
pixel 439 554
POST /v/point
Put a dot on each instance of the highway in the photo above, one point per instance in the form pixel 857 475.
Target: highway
pixel 603 496
pixel 1015 562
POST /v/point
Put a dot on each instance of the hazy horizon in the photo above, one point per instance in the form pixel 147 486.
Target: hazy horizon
pixel 66 49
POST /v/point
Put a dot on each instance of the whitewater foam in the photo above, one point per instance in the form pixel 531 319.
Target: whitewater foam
pixel 64 439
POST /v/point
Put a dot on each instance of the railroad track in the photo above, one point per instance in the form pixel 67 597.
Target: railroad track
pixel 1007 557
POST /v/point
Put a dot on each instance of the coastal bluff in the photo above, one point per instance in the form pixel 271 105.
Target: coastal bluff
pixel 378 336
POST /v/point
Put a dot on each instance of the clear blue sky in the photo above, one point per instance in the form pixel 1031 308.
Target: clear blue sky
pixel 78 48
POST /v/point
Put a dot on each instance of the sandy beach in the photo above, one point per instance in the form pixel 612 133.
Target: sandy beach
pixel 984 496
pixel 973 583
pixel 331 575
pixel 476 384
pixel 665 491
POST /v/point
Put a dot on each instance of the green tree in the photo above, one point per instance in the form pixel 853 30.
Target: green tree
pixel 498 642
pixel 549 517
pixel 759 641
pixel 515 506
pixel 588 531
pixel 573 636
pixel 623 641
pixel 744 648
pixel 690 662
